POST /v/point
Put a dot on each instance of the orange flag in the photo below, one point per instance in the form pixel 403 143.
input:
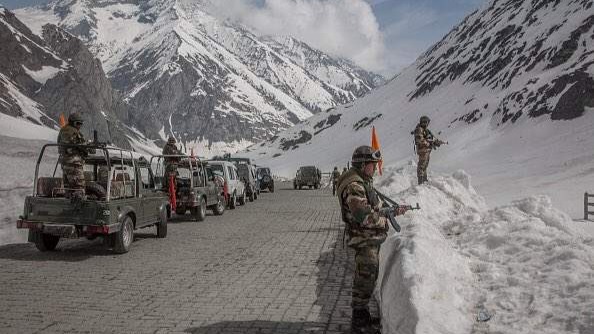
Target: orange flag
pixel 62 120
pixel 376 145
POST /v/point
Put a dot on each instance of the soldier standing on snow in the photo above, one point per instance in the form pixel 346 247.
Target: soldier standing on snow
pixel 72 158
pixel 366 228
pixel 170 162
pixel 335 176
pixel 424 143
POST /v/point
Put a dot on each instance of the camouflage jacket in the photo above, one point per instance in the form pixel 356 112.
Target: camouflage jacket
pixel 360 209
pixel 423 139
pixel 335 175
pixel 171 149
pixel 71 155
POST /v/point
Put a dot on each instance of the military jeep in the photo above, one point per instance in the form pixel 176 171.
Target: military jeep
pixel 119 197
pixel 195 187
pixel 265 178
pixel 307 176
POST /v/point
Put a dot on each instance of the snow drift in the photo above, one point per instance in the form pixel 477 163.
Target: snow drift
pixel 520 266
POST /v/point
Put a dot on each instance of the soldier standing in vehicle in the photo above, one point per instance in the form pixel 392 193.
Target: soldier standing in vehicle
pixel 72 158
pixel 170 162
pixel 335 176
pixel 366 228
pixel 424 143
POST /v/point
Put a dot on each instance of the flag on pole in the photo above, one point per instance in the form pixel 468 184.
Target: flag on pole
pixel 376 145
pixel 62 120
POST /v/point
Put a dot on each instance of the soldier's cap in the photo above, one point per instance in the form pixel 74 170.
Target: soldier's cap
pixel 366 154
pixel 425 119
pixel 171 140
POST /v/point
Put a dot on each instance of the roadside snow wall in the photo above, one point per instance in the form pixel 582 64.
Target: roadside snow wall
pixel 520 265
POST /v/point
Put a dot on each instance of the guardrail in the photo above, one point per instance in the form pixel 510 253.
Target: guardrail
pixel 587 205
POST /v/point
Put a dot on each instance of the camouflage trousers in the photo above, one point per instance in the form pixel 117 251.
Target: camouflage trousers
pixel 422 166
pixel 73 177
pixel 365 275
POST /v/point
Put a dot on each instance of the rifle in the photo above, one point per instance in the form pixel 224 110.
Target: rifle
pixel 390 207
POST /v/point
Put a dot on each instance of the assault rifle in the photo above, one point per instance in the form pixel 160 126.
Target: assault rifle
pixel 390 207
pixel 435 143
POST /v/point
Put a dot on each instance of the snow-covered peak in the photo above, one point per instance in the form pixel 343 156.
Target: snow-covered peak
pixel 200 78
pixel 510 88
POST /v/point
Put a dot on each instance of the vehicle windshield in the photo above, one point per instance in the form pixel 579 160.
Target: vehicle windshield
pixel 217 169
pixel 308 171
pixel 264 171
pixel 243 172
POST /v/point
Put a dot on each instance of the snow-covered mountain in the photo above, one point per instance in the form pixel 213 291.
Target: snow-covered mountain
pixel 211 83
pixel 53 73
pixel 512 90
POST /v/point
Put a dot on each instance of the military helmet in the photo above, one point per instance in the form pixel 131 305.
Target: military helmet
pixel 171 140
pixel 75 117
pixel 425 119
pixel 366 154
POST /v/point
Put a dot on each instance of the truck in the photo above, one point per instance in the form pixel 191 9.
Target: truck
pixel 307 176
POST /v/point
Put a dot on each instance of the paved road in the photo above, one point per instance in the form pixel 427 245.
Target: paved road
pixel 273 266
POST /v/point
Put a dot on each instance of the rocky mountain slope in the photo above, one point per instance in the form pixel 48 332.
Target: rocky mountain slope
pixel 210 83
pixel 511 88
pixel 44 76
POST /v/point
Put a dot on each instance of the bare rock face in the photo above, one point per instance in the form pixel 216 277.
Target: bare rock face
pixel 42 78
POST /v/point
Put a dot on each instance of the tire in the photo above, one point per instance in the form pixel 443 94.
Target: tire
pixel 242 199
pixel 271 189
pixel 233 201
pixel 124 237
pixel 46 242
pixel 162 227
pixel 295 186
pixel 256 195
pixel 199 212
pixel 219 208
pixel 252 196
pixel 317 186
pixel 300 187
pixel 181 210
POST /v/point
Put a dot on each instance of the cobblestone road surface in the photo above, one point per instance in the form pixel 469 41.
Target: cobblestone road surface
pixel 276 265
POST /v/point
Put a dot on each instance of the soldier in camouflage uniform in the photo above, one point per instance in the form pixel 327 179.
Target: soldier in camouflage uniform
pixel 335 176
pixel 424 143
pixel 366 228
pixel 170 162
pixel 72 158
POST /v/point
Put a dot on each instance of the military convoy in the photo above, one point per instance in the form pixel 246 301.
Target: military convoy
pixel 125 192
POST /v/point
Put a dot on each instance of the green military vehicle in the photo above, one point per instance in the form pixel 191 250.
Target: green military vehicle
pixel 307 176
pixel 120 196
pixel 195 186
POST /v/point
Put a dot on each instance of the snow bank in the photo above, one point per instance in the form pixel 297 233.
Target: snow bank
pixel 519 265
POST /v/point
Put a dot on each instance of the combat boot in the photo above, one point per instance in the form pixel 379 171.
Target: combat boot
pixel 363 323
pixel 420 180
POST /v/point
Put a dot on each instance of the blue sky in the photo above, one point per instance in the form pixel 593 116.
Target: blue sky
pixel 405 28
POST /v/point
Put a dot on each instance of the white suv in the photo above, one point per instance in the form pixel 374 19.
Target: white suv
pixel 234 188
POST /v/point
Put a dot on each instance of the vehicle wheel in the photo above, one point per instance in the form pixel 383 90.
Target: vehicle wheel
pixel 242 199
pixel 300 187
pixel 252 196
pixel 294 186
pixel 46 242
pixel 219 208
pixel 181 210
pixel 232 201
pixel 199 212
pixel 124 237
pixel 162 226
pixel 271 189
pixel 317 186
pixel 255 195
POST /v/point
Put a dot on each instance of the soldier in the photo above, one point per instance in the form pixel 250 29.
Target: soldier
pixel 335 176
pixel 72 158
pixel 170 162
pixel 424 143
pixel 366 228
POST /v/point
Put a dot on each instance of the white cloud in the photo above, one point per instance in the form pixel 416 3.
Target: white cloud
pixel 345 28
